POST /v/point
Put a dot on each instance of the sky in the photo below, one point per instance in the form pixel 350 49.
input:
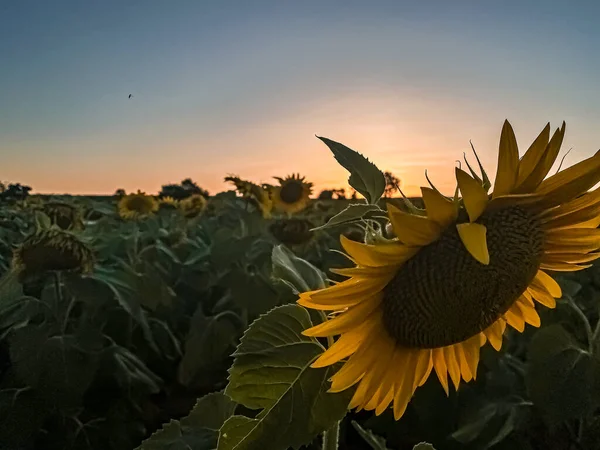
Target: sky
pixel 243 87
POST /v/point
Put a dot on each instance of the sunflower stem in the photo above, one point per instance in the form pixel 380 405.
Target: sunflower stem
pixel 331 437
pixel 586 323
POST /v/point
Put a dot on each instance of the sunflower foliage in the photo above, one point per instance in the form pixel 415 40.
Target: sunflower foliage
pixel 118 357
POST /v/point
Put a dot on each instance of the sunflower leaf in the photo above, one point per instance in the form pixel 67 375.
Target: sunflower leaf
pixel 272 372
pixel 563 379
pixel 297 273
pixel 198 430
pixel 365 177
pixel 423 446
pixel 353 213
pixel 374 441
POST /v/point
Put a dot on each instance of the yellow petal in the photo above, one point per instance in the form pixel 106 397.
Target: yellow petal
pixel 465 370
pixel 377 255
pixel 564 267
pixel 346 321
pixel 514 319
pixel 453 366
pixel 345 346
pixel 411 229
pixel 548 283
pixel 573 237
pixel 470 349
pixel 441 369
pixel 573 219
pixel 569 258
pixel 545 163
pixel 404 388
pixel 353 287
pixel 494 334
pixel 473 237
pixel 423 367
pixel 357 365
pixel 361 272
pixel 529 313
pixel 474 196
pixel 508 162
pixel 585 201
pixel 533 155
pixel 439 208
pixel 371 381
pixel 570 183
pixel 539 293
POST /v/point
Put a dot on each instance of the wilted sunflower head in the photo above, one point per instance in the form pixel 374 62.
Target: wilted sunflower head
pixel 52 250
pixel 292 195
pixel 137 206
pixel 168 203
pixel 458 273
pixel 193 205
pixel 292 231
pixel 64 215
pixel 257 195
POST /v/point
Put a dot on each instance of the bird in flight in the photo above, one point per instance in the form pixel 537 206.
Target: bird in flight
pixel 130 95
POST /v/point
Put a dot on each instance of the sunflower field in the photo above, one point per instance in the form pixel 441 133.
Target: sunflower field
pixel 262 319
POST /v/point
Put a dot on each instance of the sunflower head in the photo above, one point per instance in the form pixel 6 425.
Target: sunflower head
pixel 292 195
pixel 64 215
pixel 193 205
pixel 259 196
pixel 292 231
pixel 52 250
pixel 168 203
pixel 457 272
pixel 137 206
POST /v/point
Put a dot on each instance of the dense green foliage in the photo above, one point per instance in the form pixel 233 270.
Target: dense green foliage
pixel 164 342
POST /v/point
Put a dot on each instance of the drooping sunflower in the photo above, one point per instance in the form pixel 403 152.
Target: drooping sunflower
pixel 52 250
pixel 457 274
pixel 193 205
pixel 137 206
pixel 260 196
pixel 292 231
pixel 292 195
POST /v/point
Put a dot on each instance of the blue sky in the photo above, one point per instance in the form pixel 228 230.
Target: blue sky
pixel 242 87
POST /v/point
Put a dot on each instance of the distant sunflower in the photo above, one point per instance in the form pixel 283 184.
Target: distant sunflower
pixel 292 231
pixel 193 205
pixel 52 250
pixel 457 274
pixel 292 195
pixel 258 195
pixel 137 206
pixel 168 203
pixel 64 215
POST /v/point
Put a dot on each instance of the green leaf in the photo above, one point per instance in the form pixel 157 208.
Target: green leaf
pixel 423 446
pixel 374 441
pixel 365 177
pixel 198 431
pixel 353 213
pixel 272 372
pixel 298 274
pixel 563 380
pixel 22 414
pixel 56 365
pixel 208 344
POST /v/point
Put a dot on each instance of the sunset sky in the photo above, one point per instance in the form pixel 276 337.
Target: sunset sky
pixel 243 86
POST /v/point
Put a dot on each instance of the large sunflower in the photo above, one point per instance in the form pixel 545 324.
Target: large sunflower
pixel 457 274
pixel 292 194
